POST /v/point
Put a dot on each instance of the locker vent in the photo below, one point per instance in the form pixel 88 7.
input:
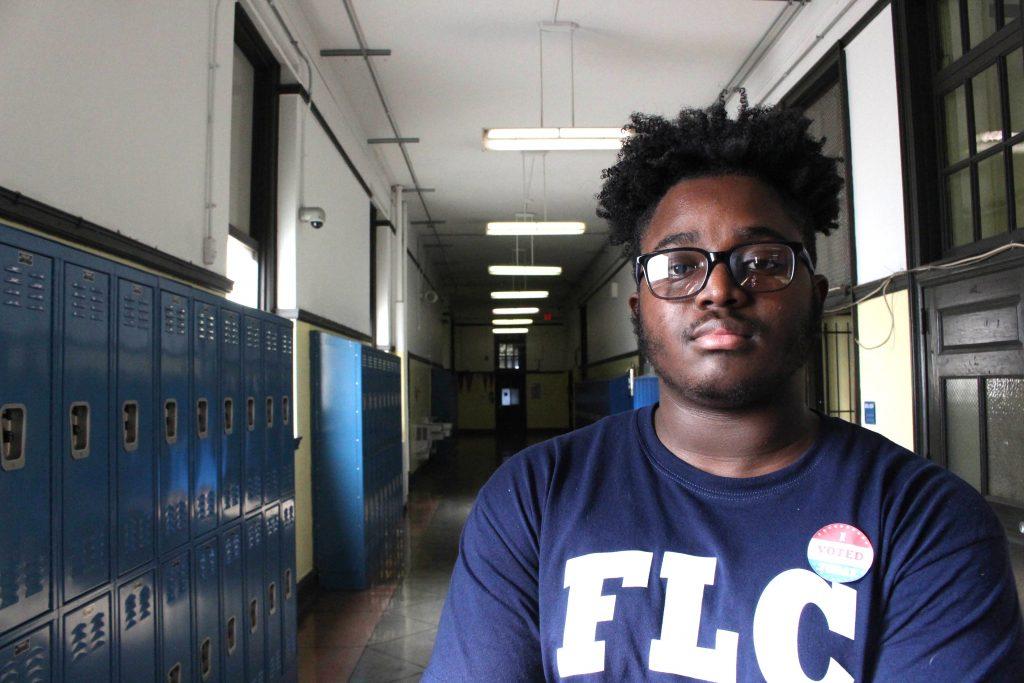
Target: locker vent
pixel 135 309
pixel 24 288
pixel 175 318
pixel 207 321
pixel 231 330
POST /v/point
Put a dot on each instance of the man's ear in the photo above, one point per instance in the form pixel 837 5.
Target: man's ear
pixel 634 301
pixel 820 288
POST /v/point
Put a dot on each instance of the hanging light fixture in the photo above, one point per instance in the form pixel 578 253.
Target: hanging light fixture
pixel 510 330
pixel 520 294
pixel 524 270
pixel 523 310
pixel 512 321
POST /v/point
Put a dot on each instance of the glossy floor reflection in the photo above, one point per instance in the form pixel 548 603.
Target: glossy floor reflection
pixel 387 633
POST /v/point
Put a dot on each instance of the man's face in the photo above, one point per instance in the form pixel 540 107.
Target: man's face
pixel 726 347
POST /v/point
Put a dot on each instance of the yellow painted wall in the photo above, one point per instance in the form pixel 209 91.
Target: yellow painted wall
pixel 551 409
pixel 886 373
pixel 476 400
pixel 615 368
pixel 419 391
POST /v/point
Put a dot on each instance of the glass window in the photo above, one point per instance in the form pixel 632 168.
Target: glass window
pixel 244 269
pixel 1017 152
pixel 960 220
pixel 1005 404
pixel 956 126
pixel 963 429
pixel 950 42
pixel 1011 10
pixel 1015 89
pixel 988 115
pixel 981 19
pixel 992 195
pixel 242 93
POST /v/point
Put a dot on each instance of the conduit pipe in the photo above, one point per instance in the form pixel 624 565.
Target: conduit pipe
pixel 209 244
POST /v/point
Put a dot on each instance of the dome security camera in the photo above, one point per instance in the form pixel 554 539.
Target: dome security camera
pixel 314 215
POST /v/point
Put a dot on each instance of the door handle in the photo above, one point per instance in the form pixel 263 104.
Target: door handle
pixel 13 418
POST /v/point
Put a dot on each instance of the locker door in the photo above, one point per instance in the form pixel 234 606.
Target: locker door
pixel 289 588
pixel 134 409
pixel 87 649
pixel 287 412
pixel 26 327
pixel 28 658
pixel 232 613
pixel 85 450
pixel 253 412
pixel 206 420
pixel 272 594
pixel 232 415
pixel 207 597
pixel 137 628
pixel 254 627
pixel 176 620
pixel 271 410
pixel 174 412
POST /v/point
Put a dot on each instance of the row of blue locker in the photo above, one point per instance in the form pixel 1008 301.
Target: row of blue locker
pixel 595 399
pixel 138 415
pixel 222 609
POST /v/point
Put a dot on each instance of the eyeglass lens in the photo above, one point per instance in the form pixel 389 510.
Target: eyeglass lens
pixel 755 267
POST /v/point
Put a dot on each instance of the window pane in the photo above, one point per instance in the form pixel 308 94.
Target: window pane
pixel 242 94
pixel 950 43
pixel 1011 10
pixel 959 193
pixel 1005 405
pixel 992 195
pixel 981 19
pixel 963 433
pixel 244 269
pixel 1015 79
pixel 988 118
pixel 956 125
pixel 1018 181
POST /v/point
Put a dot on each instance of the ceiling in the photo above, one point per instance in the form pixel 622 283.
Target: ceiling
pixel 459 67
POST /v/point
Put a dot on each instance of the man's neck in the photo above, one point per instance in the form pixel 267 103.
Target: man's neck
pixel 747 442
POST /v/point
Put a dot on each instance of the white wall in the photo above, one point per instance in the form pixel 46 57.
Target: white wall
pixel 428 334
pixel 875 158
pixel 547 348
pixel 609 330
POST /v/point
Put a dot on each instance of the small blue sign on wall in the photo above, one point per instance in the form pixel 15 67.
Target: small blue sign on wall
pixel 869 412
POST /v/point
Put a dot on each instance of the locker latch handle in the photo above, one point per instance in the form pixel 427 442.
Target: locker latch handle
pixel 22 647
pixel 80 429
pixel 174 674
pixel 272 597
pixel 229 415
pixel 253 616
pixel 205 659
pixel 13 417
pixel 202 418
pixel 270 411
pixel 232 635
pixel 171 420
pixel 130 423
pixel 250 412
pixel 286 412
pixel 287 584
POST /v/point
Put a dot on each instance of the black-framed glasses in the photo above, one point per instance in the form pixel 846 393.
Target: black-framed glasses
pixel 682 272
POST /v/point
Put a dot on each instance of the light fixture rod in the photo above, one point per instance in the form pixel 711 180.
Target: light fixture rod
pixel 427 222
pixel 422 189
pixel 355 52
pixel 389 141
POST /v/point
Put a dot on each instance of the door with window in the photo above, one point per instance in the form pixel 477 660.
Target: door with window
pixel 975 341
pixel 510 386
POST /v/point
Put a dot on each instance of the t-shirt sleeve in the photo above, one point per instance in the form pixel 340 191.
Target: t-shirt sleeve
pixel 952 612
pixel 489 629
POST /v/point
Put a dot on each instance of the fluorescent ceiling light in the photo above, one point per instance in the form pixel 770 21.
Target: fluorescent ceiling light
pixel 553 139
pixel 524 270
pixel 512 321
pixel 510 330
pixel 526 310
pixel 520 294
pixel 536 228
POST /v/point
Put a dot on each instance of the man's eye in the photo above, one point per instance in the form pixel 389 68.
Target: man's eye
pixel 764 265
pixel 681 269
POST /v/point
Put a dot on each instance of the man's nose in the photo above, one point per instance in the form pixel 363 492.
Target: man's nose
pixel 721 289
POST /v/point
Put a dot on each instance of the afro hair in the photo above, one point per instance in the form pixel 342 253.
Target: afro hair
pixel 770 144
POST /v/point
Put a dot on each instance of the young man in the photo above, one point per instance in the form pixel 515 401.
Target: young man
pixel 728 533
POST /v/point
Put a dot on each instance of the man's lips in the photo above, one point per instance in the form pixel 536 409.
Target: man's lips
pixel 722 334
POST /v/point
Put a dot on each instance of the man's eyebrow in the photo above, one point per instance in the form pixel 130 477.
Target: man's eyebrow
pixel 677 239
pixel 758 231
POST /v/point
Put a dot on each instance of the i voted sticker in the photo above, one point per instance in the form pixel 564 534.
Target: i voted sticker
pixel 840 553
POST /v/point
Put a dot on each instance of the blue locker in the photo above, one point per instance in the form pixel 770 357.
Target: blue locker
pixel 26 327
pixel 253 584
pixel 87 642
pixel 254 413
pixel 174 410
pixel 232 606
pixel 28 658
pixel 85 449
pixel 207 608
pixel 232 428
pixel 287 409
pixel 271 411
pixel 645 390
pixel 272 595
pixel 134 407
pixel 176 620
pixel 289 588
pixel 136 599
pixel 206 411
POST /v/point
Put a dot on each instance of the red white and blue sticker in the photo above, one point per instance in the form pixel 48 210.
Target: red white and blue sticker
pixel 840 553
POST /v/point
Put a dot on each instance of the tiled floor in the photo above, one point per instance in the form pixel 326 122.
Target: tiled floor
pixel 387 633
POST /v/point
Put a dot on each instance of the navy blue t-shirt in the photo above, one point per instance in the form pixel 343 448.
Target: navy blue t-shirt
pixel 599 555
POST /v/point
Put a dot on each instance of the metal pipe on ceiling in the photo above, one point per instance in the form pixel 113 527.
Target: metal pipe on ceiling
pixel 361 39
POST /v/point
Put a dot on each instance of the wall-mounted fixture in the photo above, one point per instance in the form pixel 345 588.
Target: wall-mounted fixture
pixel 314 215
